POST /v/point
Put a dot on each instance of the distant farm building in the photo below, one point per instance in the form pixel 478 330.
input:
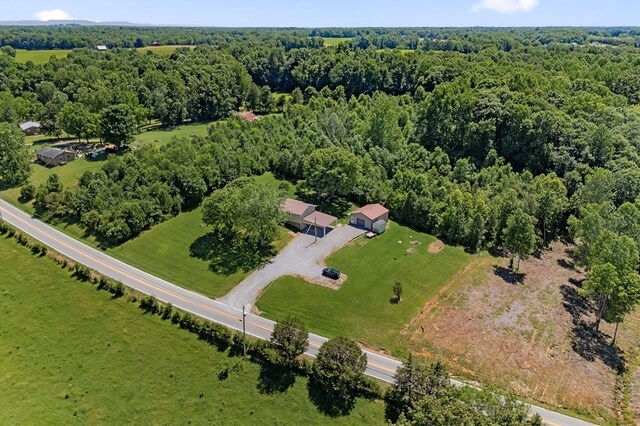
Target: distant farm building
pixel 55 156
pixel 30 128
pixel 156 44
pixel 305 216
pixel 373 217
pixel 247 116
pixel 102 48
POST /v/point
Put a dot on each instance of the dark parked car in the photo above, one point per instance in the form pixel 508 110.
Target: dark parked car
pixel 334 274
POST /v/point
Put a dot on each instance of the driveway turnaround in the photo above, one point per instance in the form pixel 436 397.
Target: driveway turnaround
pixel 378 366
pixel 303 256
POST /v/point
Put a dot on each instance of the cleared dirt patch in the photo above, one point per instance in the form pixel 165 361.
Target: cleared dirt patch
pixel 324 281
pixel 527 333
pixel 436 247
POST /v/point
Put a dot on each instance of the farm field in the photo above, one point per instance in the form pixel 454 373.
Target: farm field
pixel 39 57
pixel 334 41
pixel 72 354
pixel 537 330
pixel 362 308
pixel 162 50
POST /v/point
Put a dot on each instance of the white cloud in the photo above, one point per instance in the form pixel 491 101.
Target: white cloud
pixel 505 6
pixel 53 15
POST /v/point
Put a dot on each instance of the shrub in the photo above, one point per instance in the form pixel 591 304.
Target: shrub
pixel 27 192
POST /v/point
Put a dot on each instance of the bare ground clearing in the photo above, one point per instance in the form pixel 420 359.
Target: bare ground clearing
pixel 528 333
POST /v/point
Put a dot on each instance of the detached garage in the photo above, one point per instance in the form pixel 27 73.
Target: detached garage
pixel 370 216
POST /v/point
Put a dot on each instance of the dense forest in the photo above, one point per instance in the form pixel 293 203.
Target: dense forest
pixel 490 139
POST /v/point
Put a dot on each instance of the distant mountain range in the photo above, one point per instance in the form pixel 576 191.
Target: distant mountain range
pixel 71 22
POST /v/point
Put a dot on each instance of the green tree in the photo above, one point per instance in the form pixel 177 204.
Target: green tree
pixel 118 124
pixel 413 382
pixel 519 236
pixel 14 156
pixel 249 208
pixel 397 291
pixel 340 366
pixel 290 338
pixel 551 202
pixel 76 120
pixel 297 97
pixel 332 171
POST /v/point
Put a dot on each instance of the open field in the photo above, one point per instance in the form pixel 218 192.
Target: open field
pixel 535 329
pixel 72 354
pixel 161 136
pixel 334 41
pixel 362 307
pixel 39 57
pixel 162 50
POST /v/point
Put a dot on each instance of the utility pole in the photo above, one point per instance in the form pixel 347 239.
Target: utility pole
pixel 244 331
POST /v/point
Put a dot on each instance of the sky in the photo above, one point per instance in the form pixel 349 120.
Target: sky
pixel 335 13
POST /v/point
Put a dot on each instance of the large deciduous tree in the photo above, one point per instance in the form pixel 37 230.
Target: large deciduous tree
pixel 339 366
pixel 551 202
pixel 249 208
pixel 332 171
pixel 290 338
pixel 519 236
pixel 15 164
pixel 118 124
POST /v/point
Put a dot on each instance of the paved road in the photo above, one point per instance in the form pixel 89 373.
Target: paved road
pixel 303 256
pixel 380 367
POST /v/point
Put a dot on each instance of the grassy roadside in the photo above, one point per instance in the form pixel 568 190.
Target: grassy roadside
pixel 73 354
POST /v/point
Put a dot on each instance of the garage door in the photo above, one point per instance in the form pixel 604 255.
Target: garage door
pixel 360 223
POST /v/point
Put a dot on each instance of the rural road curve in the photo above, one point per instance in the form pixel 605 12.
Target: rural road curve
pixel 380 367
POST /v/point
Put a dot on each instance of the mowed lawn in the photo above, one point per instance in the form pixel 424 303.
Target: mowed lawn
pixel 361 308
pixel 39 57
pixel 334 41
pixel 162 50
pixel 161 136
pixel 165 251
pixel 71 354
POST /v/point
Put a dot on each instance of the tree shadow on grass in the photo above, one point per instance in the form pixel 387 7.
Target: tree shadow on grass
pixel 330 403
pixel 588 343
pixel 228 254
pixel 509 276
pixel 275 378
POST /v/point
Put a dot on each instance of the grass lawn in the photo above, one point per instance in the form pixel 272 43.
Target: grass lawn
pixel 166 251
pixel 162 50
pixel 164 136
pixel 71 354
pixel 334 41
pixel 361 308
pixel 39 57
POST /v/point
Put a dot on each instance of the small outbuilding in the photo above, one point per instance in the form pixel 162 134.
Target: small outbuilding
pixel 247 116
pixel 31 128
pixel 102 48
pixel 55 156
pixel 368 216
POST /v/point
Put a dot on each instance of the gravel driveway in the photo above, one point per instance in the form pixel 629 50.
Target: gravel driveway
pixel 302 257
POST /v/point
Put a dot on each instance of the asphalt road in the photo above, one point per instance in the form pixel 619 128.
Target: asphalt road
pixel 380 367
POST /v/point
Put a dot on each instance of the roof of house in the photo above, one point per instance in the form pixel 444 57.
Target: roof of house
pixel 320 219
pixel 247 116
pixel 102 47
pixel 372 211
pixel 49 152
pixel 296 207
pixel 29 124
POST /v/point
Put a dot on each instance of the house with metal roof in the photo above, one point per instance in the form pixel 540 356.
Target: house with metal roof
pixel 30 127
pixel 51 157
